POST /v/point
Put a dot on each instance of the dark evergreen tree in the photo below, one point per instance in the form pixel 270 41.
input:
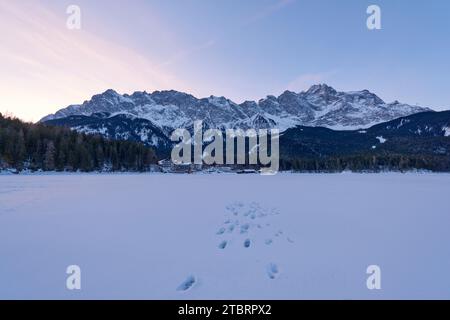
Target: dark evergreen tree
pixel 48 148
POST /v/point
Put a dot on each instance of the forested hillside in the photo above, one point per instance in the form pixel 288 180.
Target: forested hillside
pixel 417 142
pixel 39 146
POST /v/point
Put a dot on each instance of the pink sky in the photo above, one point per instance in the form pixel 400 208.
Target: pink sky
pixel 46 66
pixel 243 50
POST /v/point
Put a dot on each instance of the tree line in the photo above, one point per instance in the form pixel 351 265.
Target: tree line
pixel 368 162
pixel 53 148
pixel 42 147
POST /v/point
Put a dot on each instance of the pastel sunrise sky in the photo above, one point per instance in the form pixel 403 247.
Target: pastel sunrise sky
pixel 243 50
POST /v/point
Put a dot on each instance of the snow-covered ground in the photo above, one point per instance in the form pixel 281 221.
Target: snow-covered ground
pixel 289 236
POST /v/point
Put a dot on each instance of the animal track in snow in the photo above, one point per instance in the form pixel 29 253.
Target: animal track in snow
pixel 247 243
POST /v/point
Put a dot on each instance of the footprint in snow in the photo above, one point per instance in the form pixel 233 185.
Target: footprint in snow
pixel 279 233
pixel 247 243
pixel 272 271
pixel 223 245
pixel 187 284
pixel 244 228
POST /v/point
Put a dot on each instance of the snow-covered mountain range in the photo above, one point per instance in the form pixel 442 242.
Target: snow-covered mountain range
pixel 151 117
pixel 321 105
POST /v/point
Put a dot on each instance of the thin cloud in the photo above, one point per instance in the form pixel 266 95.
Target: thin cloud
pixel 45 66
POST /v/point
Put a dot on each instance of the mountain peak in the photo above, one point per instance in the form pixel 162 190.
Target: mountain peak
pixel 288 93
pixel 320 89
pixel 110 92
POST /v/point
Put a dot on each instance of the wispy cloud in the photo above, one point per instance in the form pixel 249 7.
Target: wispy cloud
pixel 46 66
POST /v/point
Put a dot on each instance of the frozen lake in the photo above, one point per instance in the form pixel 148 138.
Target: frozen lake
pixel 289 236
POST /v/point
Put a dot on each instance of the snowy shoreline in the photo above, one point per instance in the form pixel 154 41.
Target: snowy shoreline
pixel 215 173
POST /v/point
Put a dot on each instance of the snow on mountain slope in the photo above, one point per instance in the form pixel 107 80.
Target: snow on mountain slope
pixel 119 126
pixel 446 131
pixel 321 105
